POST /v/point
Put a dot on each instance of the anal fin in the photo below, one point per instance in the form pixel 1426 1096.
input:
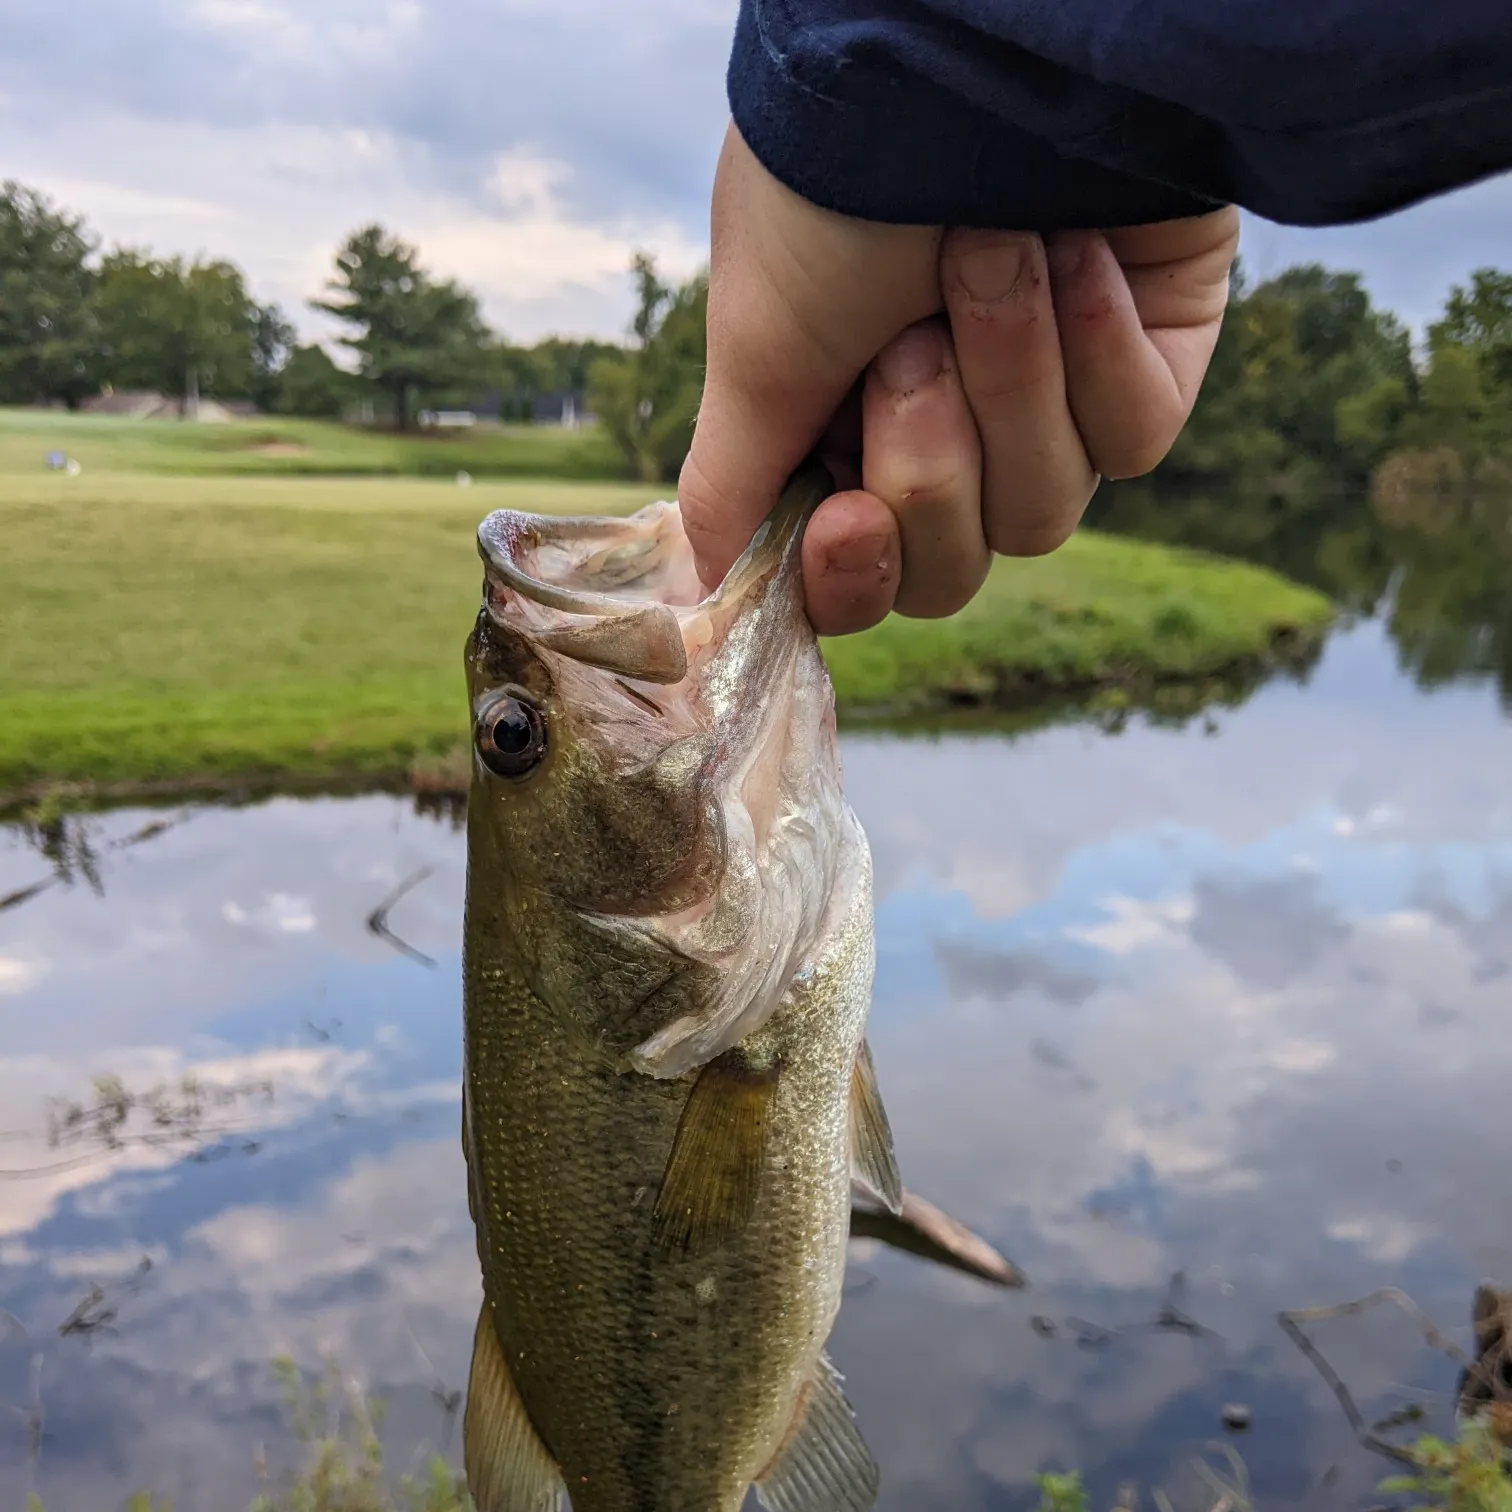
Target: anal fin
pixel 872 1156
pixel 714 1171
pixel 508 1468
pixel 824 1466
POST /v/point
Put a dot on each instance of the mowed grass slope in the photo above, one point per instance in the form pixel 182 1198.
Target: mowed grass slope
pixel 152 628
pixel 279 446
pixel 157 630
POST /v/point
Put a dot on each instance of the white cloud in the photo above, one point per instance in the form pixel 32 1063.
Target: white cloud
pixel 1385 1238
pixel 535 250
pixel 285 913
pixel 525 148
pixel 1136 924
pixel 107 199
pixel 39 1174
pixel 103 1265
pixel 1303 1057
pixel 264 130
pixel 19 974
pixel 537 262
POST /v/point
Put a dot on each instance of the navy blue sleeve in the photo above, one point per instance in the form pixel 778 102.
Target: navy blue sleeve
pixel 1050 114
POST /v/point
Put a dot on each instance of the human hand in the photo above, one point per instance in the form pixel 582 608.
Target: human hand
pixel 967 387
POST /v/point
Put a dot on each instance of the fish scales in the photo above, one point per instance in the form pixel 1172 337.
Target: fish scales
pixel 657 1384
pixel 668 961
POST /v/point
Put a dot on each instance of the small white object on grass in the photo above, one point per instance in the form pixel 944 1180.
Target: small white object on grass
pixel 464 480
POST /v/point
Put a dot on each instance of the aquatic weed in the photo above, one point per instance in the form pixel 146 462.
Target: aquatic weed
pixel 1467 1475
pixel 343 1471
pixel 1061 1492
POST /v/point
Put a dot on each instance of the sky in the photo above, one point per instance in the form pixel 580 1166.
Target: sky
pixel 526 146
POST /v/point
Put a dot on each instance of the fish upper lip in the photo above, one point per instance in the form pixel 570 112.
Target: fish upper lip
pixel 505 531
pixel 505 534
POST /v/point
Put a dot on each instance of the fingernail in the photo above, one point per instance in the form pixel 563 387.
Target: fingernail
pixel 917 357
pixel 867 553
pixel 1067 252
pixel 991 268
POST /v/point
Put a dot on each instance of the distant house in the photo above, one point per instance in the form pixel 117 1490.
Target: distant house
pixel 148 406
pixel 488 405
pixel 133 406
pixel 566 407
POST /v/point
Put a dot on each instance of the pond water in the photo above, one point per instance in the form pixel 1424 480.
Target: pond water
pixel 1210 1018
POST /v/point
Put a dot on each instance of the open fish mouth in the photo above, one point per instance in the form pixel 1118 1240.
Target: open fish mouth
pixel 624 594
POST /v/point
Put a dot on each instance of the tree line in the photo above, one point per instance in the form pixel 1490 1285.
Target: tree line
pixel 1311 384
pixel 76 321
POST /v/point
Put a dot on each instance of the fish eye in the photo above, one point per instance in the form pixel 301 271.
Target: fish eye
pixel 511 736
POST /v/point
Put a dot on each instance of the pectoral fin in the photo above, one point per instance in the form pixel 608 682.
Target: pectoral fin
pixel 714 1171
pixel 872 1156
pixel 508 1468
pixel 824 1465
pixel 920 1228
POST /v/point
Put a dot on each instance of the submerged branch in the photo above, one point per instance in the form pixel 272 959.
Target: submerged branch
pixel 377 921
pixel 1292 1320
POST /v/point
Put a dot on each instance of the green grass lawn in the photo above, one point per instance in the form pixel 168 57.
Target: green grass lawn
pixel 277 446
pixel 181 630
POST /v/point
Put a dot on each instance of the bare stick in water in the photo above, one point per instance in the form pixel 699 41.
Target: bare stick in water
pixel 377 921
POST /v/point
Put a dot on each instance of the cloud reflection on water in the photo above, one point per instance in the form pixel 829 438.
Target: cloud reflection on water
pixel 1230 1006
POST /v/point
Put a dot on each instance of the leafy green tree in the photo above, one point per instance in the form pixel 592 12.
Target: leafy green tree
pixel 1286 393
pixel 559 363
pixel 409 331
pixel 647 398
pixel 1454 409
pixel 311 384
pixel 1346 348
pixel 555 365
pixel 176 328
pixel 1459 422
pixel 49 337
pixel 273 340
pixel 1479 319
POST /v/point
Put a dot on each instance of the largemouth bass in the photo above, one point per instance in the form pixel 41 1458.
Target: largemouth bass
pixel 668 963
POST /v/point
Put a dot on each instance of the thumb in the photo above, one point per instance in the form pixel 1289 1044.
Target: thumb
pixel 800 301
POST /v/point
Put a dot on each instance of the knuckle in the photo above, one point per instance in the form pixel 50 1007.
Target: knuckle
pixel 1135 451
pixel 923 454
pixel 938 596
pixel 1007 362
pixel 1017 530
pixel 1005 382
pixel 920 485
pixel 711 517
pixel 1024 538
pixel 1133 462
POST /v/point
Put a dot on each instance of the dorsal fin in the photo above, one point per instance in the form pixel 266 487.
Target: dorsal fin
pixel 872 1156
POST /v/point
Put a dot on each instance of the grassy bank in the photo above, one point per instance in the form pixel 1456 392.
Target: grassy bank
pixel 278 446
pixel 215 631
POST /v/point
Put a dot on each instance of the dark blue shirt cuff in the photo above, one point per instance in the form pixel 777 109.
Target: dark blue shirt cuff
pixel 905 112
